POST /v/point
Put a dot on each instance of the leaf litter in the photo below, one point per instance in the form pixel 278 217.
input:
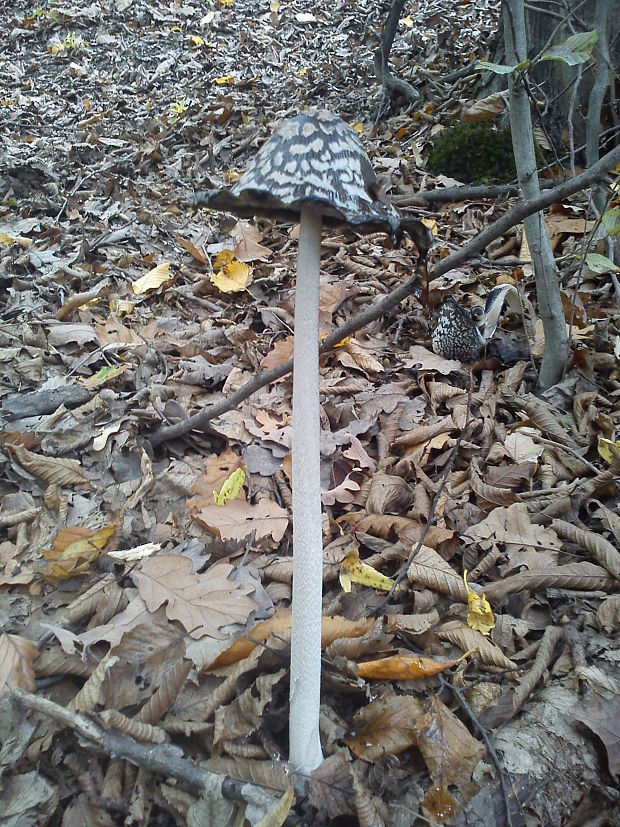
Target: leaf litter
pixel 130 594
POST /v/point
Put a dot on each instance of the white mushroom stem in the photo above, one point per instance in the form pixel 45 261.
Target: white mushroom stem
pixel 305 746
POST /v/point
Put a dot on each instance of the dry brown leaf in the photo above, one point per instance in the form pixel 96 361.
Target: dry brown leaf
pixel 17 654
pixel 526 543
pixel 360 357
pixel 217 469
pixel 166 693
pixel 113 719
pixel 248 247
pixel 385 727
pixel 345 492
pixel 466 639
pixel 238 519
pixel 600 548
pixel 495 496
pixel 75 550
pixel 450 752
pixel 423 434
pixel 272 775
pixel 277 816
pixel 330 788
pixel 53 470
pixel 608 614
pixel 87 698
pixel 280 353
pixel 242 717
pixel 368 808
pixel 202 603
pixel 585 576
pixel 540 415
pixel 422 359
pixel 388 494
pixel 431 570
pixel 413 624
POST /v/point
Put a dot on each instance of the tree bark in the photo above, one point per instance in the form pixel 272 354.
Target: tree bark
pixel 545 271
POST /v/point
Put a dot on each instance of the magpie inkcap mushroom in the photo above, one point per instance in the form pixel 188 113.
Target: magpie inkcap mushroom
pixel 458 333
pixel 313 170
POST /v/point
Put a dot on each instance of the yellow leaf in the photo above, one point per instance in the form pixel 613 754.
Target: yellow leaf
pixel 231 488
pixel 407 21
pixel 357 127
pixel 608 450
pixel 480 615
pixel 234 276
pixel 352 570
pixel 225 80
pixel 302 73
pixel 197 40
pixel 6 240
pixel 70 558
pixel 152 280
pixel 244 118
pixel 226 2
pixel 122 307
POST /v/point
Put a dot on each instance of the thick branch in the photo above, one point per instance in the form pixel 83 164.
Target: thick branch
pixel 394 87
pixel 160 758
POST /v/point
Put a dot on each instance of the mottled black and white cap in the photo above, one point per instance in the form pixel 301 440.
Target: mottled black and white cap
pixel 458 333
pixel 315 160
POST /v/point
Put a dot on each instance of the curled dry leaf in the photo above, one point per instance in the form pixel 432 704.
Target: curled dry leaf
pixel 600 548
pixel 493 495
pixel 50 469
pixel 389 494
pixel 242 717
pixel 385 727
pixel 402 668
pixel 368 808
pixel 467 639
pixel 113 719
pixel 277 816
pixel 202 603
pixel 585 576
pixel 332 628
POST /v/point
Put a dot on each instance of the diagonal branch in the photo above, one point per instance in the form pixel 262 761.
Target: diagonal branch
pixel 521 210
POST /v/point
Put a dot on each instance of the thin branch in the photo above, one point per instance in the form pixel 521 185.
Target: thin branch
pixel 487 742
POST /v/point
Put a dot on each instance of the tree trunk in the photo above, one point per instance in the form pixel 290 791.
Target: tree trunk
pixel 554 80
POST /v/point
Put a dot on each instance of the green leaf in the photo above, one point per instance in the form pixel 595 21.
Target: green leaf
pixel 498 68
pixel 601 264
pixel 610 225
pixel 576 49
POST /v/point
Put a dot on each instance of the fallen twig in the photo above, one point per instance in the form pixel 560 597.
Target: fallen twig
pixel 160 758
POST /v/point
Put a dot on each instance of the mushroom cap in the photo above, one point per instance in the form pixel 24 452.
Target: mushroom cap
pixel 313 160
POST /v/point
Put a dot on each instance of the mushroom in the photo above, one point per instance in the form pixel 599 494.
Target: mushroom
pixel 313 170
pixel 458 333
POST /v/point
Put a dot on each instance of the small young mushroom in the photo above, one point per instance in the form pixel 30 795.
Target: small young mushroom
pixel 312 170
pixel 458 333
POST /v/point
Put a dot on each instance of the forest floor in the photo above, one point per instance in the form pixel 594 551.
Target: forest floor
pixel 123 584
